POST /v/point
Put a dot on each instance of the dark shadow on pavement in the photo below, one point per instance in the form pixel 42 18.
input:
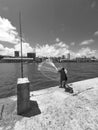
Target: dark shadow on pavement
pixel 33 111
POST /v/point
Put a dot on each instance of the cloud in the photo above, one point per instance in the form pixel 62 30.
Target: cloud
pixel 5 8
pixel 55 50
pixel 8 32
pixel 96 33
pixel 87 42
pixel 93 4
pixel 57 40
pixel 61 45
pixel 10 51
pixel 72 43
pixel 6 51
pixel 88 52
pixel 25 48
pixel 1 47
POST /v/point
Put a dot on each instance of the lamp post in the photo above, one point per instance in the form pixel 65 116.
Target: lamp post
pixel 21 44
pixel 23 84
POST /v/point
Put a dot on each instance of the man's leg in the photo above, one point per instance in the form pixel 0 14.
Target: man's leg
pixel 61 84
pixel 64 84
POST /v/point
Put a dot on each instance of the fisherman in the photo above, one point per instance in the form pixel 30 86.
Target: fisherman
pixel 63 80
pixel 63 77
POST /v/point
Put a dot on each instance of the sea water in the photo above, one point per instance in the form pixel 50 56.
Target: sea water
pixel 10 72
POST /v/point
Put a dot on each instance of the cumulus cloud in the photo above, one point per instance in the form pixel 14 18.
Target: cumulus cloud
pixel 87 42
pixel 57 40
pixel 10 51
pixel 1 47
pixel 93 4
pixel 55 50
pixel 5 8
pixel 61 45
pixel 85 52
pixel 72 43
pixel 8 32
pixel 45 50
pixel 96 33
pixel 25 48
pixel 6 51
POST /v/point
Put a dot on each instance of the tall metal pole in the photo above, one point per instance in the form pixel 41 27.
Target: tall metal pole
pixel 21 45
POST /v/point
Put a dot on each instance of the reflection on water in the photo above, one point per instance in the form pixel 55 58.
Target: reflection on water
pixel 9 72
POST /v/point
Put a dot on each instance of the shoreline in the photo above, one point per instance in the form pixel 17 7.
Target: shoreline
pixel 55 109
pixel 65 61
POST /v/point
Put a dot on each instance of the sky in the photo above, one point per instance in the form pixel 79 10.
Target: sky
pixel 50 27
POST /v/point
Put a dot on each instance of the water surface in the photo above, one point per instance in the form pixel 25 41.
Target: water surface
pixel 9 72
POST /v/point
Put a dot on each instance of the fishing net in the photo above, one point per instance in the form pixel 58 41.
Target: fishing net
pixel 49 70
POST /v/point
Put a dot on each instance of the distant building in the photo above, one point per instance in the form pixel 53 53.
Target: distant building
pixel 68 56
pixel 63 57
pixel 1 57
pixel 83 59
pixel 16 53
pixel 31 55
pixel 16 59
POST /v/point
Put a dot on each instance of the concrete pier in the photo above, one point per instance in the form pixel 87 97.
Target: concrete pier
pixel 23 95
pixel 59 110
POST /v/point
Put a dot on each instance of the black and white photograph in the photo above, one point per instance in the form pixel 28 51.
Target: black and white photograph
pixel 48 64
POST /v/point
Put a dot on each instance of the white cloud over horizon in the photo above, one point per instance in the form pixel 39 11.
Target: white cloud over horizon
pixel 10 51
pixel 54 50
pixel 87 42
pixel 88 52
pixel 25 48
pixel 8 32
pixel 6 51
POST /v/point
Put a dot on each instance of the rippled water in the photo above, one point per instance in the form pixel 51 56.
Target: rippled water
pixel 9 72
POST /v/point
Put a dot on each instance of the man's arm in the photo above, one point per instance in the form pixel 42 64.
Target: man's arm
pixel 65 71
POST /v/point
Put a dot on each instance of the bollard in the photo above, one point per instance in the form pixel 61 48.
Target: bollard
pixel 23 95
